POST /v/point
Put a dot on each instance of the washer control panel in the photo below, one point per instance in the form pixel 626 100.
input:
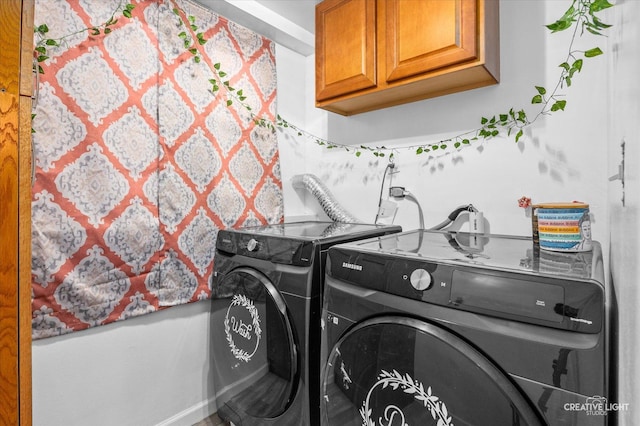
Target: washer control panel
pixel 415 279
pixel 276 250
pixel 536 299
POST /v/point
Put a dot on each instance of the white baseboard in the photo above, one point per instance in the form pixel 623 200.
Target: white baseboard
pixel 192 415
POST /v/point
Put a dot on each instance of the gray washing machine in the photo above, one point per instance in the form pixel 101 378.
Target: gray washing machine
pixel 265 319
pixel 440 328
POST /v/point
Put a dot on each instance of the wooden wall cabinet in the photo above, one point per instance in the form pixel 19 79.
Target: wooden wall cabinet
pixel 373 54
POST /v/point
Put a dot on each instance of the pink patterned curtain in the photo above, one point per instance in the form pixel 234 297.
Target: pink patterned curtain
pixel 139 164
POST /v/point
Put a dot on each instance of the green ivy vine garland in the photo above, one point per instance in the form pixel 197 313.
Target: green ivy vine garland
pixel 581 16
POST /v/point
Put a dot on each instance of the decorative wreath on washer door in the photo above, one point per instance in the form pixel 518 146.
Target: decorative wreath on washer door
pixel 392 413
pixel 235 325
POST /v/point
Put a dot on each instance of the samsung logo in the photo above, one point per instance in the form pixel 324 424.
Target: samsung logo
pixel 352 266
pixel 586 321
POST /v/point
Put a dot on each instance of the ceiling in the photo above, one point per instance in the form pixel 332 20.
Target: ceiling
pixel 290 23
pixel 301 12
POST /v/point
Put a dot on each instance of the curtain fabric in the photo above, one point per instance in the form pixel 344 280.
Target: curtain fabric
pixel 139 164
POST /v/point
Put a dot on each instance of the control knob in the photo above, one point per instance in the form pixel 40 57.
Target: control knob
pixel 252 245
pixel 420 279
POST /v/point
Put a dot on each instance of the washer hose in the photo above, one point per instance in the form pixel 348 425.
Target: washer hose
pixel 453 216
pixel 329 205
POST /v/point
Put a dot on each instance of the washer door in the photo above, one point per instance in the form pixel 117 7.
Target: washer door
pixel 401 371
pixel 255 360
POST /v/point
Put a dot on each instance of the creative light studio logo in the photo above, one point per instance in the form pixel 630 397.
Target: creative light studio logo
pixel 596 406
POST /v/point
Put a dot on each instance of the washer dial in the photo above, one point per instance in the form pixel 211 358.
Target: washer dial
pixel 252 245
pixel 420 279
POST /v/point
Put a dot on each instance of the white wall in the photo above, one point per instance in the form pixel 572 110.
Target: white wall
pixel 149 370
pixel 623 113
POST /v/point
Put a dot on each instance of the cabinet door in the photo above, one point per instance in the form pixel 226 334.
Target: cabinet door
pixel 423 36
pixel 345 47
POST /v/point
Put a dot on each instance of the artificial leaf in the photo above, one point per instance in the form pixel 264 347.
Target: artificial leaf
pixel 560 25
pixel 558 105
pixel 593 52
pixel 519 135
pixel 577 65
pixel 522 116
pixel 599 24
pixel 598 5
pixel 592 31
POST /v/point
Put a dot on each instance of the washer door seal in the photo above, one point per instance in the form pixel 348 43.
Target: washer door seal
pixel 397 370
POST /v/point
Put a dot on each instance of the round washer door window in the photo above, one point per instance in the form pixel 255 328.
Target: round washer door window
pixel 252 344
pixel 400 371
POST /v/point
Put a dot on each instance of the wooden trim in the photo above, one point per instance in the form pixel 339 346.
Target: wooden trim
pixel 10 21
pixel 25 182
pixel 24 260
pixel 26 60
pixel 15 211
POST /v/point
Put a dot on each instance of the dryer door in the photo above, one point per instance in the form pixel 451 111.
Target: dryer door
pixel 255 361
pixel 401 371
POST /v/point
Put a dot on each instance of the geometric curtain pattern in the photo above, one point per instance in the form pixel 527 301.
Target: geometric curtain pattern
pixel 138 164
